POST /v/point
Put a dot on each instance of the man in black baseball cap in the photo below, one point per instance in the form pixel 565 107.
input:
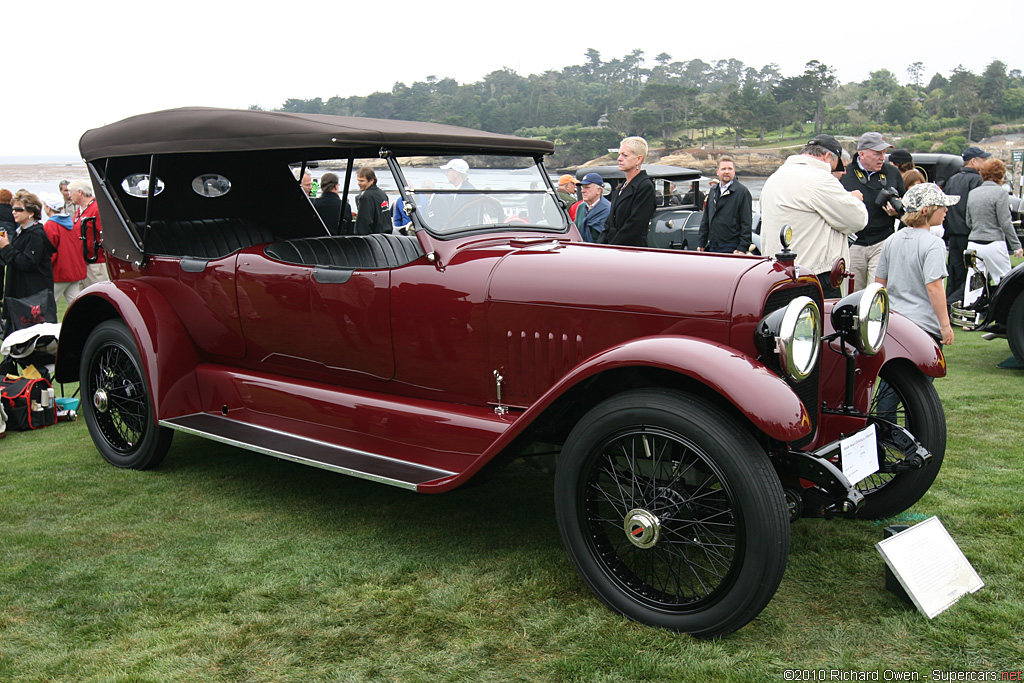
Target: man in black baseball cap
pixel 973 152
pixel 803 194
pixel 955 226
pixel 833 146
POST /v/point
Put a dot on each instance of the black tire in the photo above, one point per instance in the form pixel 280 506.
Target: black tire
pixel 916 406
pixel 116 402
pixel 1015 328
pixel 672 513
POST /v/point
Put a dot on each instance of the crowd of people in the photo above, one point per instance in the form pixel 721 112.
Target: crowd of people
pixel 889 223
pixel 41 253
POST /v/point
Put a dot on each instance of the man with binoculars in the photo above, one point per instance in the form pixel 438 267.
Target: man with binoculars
pixel 882 186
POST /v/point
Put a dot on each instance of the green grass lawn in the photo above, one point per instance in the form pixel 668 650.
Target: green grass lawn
pixel 224 565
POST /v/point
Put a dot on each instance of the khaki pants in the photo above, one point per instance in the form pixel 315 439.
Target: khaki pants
pixel 70 290
pixel 863 263
pixel 97 273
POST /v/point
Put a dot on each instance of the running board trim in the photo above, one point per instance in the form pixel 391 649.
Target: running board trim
pixel 327 456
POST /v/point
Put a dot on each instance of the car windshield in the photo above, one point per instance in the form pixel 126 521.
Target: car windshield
pixel 459 194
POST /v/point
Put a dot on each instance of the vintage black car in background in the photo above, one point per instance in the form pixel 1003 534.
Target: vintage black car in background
pixel 680 203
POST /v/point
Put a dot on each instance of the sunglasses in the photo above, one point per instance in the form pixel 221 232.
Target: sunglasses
pixel 17 209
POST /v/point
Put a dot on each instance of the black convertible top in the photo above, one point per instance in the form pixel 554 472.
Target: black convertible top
pixel 207 129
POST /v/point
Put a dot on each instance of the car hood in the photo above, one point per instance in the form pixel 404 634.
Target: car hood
pixel 607 278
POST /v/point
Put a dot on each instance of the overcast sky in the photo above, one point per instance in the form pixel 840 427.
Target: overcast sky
pixel 85 64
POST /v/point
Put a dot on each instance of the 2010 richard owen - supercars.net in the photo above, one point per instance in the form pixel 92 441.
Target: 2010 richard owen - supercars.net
pixel 695 405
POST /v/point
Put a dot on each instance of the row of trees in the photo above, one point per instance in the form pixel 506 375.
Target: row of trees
pixel 686 103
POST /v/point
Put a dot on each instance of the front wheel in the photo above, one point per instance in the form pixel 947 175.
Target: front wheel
pixel 904 396
pixel 672 513
pixel 116 403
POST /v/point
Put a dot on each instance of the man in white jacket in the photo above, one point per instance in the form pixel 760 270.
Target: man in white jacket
pixel 804 195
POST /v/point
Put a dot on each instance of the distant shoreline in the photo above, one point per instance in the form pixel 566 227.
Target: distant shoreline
pixel 45 160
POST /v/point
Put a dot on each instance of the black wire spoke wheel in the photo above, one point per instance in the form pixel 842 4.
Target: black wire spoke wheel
pixel 116 400
pixel 904 396
pixel 119 381
pixel 661 518
pixel 672 513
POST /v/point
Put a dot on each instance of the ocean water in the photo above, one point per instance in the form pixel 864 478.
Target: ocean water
pixel 42 174
pixel 39 174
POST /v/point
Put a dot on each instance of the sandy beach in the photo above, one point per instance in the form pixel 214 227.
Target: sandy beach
pixel 39 173
pixel 37 178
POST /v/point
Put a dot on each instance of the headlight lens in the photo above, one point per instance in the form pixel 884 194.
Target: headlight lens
pixel 862 318
pixel 794 334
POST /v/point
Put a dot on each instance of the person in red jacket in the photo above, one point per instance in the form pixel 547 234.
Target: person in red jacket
pixel 69 267
pixel 81 195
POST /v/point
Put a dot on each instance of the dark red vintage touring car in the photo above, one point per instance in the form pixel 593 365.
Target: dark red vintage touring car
pixel 697 402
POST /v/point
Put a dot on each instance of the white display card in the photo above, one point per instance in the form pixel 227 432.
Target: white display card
pixel 930 566
pixel 860 454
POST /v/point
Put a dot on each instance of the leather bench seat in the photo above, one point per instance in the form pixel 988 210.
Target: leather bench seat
pixel 208 238
pixel 351 251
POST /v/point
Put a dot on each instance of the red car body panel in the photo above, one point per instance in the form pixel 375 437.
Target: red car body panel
pixel 167 352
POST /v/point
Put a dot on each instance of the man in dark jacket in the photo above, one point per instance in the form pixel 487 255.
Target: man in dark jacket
pixel 726 224
pixel 372 205
pixel 634 201
pixel 955 225
pixel 870 173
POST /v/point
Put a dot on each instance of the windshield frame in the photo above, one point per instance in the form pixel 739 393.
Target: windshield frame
pixel 552 208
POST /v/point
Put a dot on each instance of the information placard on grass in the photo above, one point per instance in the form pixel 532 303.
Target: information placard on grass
pixel 930 566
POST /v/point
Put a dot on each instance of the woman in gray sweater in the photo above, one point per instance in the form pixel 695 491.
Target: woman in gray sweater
pixel 988 217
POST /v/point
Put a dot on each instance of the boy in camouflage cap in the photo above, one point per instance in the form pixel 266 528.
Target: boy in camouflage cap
pixel 923 195
pixel 913 262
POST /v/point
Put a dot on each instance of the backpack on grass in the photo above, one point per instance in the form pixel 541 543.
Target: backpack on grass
pixel 23 401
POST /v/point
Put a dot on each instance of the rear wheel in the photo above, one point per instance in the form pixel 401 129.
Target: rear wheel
pixel 1015 328
pixel 906 397
pixel 115 400
pixel 672 513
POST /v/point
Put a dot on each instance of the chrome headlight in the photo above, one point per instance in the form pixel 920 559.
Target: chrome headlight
pixel 793 333
pixel 863 317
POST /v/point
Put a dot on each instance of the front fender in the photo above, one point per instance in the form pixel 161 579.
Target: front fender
pixel 168 355
pixel 906 340
pixel 758 393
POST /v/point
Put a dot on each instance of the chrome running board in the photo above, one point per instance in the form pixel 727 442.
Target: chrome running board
pixel 305 451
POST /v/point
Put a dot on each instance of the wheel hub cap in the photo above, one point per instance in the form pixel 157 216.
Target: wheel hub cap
pixel 99 400
pixel 642 528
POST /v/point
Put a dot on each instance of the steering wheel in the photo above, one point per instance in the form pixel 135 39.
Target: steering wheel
pixel 490 211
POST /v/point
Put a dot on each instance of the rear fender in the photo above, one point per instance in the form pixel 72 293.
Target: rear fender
pixel 756 392
pixel 169 357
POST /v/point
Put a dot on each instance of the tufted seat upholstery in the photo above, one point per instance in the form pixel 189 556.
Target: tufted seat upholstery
pixel 205 238
pixel 353 251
